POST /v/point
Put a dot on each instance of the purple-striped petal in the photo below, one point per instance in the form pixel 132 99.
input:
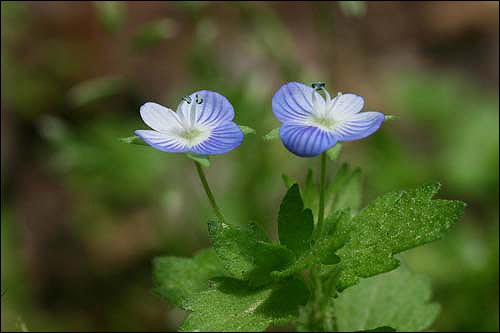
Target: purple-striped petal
pixel 306 141
pixel 358 126
pixel 222 139
pixel 346 105
pixel 159 117
pixel 213 109
pixel 161 141
pixel 293 102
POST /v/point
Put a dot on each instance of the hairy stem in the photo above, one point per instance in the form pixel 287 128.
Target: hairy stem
pixel 321 210
pixel 209 193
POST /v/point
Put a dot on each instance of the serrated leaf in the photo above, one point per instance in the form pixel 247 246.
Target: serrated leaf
pixel 233 306
pixel 272 135
pixel 247 130
pixel 177 278
pixel 202 159
pixel 334 152
pixel 393 223
pixel 136 140
pixel 295 224
pixel 246 252
pixel 398 299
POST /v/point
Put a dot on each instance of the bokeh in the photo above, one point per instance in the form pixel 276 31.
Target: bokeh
pixel 83 214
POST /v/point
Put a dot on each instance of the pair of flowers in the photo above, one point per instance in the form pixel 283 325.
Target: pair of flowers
pixel 311 123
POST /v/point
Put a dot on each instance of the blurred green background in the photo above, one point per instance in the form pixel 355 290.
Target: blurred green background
pixel 83 214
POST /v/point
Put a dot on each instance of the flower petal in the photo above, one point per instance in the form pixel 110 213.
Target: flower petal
pixel 346 105
pixel 222 139
pixel 213 110
pixel 293 102
pixel 161 141
pixel 306 141
pixel 358 126
pixel 158 117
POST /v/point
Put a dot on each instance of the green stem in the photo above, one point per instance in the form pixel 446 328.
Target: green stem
pixel 321 211
pixel 209 193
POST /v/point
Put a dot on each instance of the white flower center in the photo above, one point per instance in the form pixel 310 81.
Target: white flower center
pixel 321 113
pixel 190 132
pixel 193 135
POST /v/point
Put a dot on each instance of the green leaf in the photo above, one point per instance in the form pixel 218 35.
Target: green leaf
pixel 393 223
pixel 334 152
pixel 136 140
pixel 246 252
pixel 391 117
pixel 176 278
pixel 233 306
pixel 152 33
pixel 345 190
pixel 335 233
pixel 295 225
pixel 111 14
pixel 398 299
pixel 273 134
pixel 202 159
pixel 247 130
pixel 287 180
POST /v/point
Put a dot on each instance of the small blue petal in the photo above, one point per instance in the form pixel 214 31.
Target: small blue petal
pixel 358 126
pixel 161 141
pixel 222 139
pixel 306 141
pixel 293 102
pixel 213 108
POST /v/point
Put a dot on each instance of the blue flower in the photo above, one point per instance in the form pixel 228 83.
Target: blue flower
pixel 202 125
pixel 313 124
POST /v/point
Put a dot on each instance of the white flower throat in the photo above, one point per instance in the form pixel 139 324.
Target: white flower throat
pixel 190 132
pixel 322 115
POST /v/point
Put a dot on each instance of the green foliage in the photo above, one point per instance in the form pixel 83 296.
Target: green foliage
pixel 232 306
pixel 249 283
pixel 334 234
pixel 295 224
pixel 342 192
pixel 134 139
pixel 247 130
pixel 272 135
pixel 334 152
pixel 398 299
pixel 393 223
pixel 202 159
pixel 175 278
pixel 246 252
pixel 345 190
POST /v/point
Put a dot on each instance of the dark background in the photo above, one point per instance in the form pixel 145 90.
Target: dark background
pixel 83 214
